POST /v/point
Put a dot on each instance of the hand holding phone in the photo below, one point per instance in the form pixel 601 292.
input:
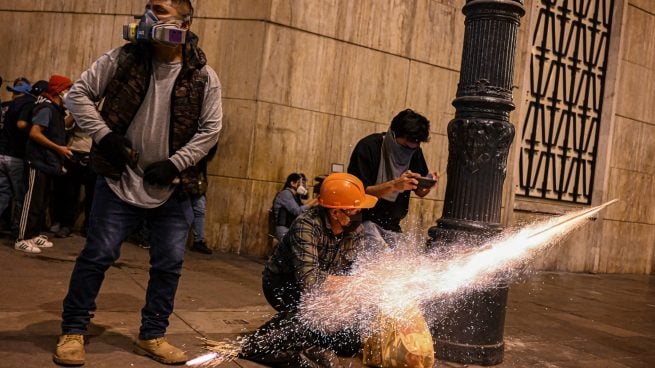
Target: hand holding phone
pixel 425 182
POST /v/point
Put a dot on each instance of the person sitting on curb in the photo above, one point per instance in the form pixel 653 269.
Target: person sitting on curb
pixel 287 204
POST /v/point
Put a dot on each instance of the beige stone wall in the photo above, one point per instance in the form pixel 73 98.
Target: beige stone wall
pixel 332 72
pixel 622 238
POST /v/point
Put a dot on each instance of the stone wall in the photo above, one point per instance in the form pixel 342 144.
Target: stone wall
pixel 622 237
pixel 304 80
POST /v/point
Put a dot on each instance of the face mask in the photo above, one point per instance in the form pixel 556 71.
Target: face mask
pixel 407 150
pixel 355 221
pixel 150 29
pixel 63 96
pixel 301 191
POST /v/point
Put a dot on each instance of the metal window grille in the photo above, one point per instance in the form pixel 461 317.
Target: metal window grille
pixel 559 145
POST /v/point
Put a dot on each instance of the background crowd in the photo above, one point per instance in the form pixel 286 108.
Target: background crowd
pixel 55 174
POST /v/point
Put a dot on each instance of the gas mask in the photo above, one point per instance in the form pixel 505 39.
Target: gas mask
pixel 151 29
pixel 302 191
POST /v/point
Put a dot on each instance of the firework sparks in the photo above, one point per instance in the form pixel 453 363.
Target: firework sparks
pixel 394 281
pixel 220 352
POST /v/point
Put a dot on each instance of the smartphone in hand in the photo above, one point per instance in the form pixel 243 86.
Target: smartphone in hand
pixel 424 182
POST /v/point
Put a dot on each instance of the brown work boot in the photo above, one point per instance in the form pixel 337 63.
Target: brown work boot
pixel 70 350
pixel 160 350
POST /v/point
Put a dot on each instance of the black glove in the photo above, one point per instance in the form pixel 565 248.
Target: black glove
pixel 116 149
pixel 161 173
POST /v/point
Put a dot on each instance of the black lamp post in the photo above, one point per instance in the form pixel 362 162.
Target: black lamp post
pixel 479 139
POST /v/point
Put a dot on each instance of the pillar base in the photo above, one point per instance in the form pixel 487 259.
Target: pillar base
pixel 471 330
pixel 484 355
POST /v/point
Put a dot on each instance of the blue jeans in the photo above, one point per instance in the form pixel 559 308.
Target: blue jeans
pixel 111 220
pixel 12 182
pixel 199 204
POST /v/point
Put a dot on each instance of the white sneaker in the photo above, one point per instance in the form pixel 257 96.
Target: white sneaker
pixel 26 246
pixel 41 241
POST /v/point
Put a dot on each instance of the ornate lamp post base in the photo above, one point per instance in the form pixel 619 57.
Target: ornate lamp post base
pixel 479 138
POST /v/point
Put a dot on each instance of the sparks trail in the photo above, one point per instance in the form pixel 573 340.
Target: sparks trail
pixel 395 281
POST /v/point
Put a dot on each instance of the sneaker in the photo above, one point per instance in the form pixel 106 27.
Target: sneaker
pixel 26 246
pixel 41 241
pixel 55 227
pixel 70 350
pixel 201 247
pixel 64 232
pixel 160 350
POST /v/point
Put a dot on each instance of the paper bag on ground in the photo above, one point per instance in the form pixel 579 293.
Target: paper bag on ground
pixel 400 343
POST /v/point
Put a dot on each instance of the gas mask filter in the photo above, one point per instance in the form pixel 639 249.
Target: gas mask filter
pixel 150 29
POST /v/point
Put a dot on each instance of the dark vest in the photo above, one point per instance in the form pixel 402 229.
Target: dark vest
pixel 125 93
pixel 40 157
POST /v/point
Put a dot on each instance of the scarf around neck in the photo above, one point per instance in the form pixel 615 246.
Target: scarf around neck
pixel 394 161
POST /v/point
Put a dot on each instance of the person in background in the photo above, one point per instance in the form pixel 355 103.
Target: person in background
pixel 199 205
pixel 390 165
pixel 161 114
pixel 287 204
pixel 317 252
pixel 45 153
pixel 13 138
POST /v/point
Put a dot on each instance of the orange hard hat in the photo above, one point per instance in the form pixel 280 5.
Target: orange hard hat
pixel 341 190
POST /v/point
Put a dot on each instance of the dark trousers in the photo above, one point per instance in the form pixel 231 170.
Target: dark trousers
pixel 111 220
pixel 34 204
pixel 280 341
pixel 65 204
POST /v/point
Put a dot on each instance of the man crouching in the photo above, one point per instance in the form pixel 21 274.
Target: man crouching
pixel 318 251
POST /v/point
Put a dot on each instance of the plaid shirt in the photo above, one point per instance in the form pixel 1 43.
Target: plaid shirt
pixel 310 251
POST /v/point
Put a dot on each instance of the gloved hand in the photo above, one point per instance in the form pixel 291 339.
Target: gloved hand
pixel 116 148
pixel 161 173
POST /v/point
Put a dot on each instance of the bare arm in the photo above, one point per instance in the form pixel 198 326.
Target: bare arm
pixel 36 134
pixel 333 283
pixel 23 125
pixel 422 192
pixel 405 182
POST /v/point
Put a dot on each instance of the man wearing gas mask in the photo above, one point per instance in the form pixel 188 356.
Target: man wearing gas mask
pixel 160 115
pixel 317 252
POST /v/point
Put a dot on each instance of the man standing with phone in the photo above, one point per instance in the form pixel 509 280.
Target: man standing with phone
pixel 391 165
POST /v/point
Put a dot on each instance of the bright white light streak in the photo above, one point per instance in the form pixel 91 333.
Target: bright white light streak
pixel 203 359
pixel 395 281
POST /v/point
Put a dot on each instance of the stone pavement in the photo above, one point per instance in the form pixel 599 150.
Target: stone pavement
pixel 553 319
